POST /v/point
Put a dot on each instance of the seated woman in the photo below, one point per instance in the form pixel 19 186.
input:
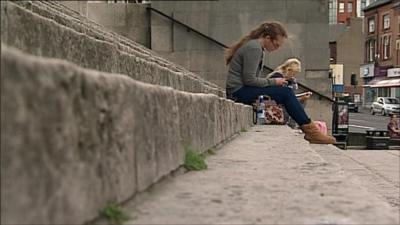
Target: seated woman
pixel 244 83
pixel 288 70
pixel 393 127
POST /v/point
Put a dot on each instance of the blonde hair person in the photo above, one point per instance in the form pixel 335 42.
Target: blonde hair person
pixel 288 70
pixel 245 83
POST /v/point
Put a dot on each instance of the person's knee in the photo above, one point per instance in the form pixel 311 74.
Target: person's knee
pixel 286 92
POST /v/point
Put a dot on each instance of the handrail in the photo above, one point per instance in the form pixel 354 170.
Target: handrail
pixel 316 92
pixel 188 27
pixel 225 46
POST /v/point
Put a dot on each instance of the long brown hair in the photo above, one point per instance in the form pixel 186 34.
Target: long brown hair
pixel 271 29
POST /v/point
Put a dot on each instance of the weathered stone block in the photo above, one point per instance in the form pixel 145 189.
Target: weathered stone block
pixel 88 45
pixel 74 139
pixel 91 137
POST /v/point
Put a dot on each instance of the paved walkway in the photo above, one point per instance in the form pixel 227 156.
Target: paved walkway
pixel 378 170
pixel 257 179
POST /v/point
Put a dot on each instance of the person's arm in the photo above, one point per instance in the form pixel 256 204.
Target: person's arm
pixel 251 59
pixel 396 128
pixel 275 75
pixel 391 126
pixel 265 72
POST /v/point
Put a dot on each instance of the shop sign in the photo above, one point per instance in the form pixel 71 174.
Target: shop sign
pixel 338 88
pixel 381 71
pixel 367 70
pixel 337 72
pixel 394 72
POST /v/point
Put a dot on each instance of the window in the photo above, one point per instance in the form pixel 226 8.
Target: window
pixel 332 11
pixel 371 26
pixel 386 47
pixel 362 6
pixel 350 7
pixel 391 101
pixel 370 50
pixel 386 21
pixel 341 7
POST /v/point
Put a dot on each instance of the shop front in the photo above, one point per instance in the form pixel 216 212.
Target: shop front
pixel 394 84
pixel 367 74
pixel 383 86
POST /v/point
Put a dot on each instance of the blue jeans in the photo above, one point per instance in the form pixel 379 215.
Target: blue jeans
pixel 282 95
pixel 291 123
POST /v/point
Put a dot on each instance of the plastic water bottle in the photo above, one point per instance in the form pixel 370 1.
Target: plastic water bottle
pixel 261 111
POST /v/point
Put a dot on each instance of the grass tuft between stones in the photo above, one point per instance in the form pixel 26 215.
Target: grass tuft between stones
pixel 243 129
pixel 114 214
pixel 194 161
pixel 212 151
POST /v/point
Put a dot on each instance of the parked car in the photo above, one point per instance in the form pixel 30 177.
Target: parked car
pixel 353 107
pixel 385 106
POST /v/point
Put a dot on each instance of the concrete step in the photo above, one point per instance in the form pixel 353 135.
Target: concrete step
pixel 49 29
pixel 269 175
pixel 378 170
pixel 74 139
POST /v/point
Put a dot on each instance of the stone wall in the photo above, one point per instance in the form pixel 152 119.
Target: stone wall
pixel 90 117
pixel 74 139
pixel 129 20
pixel 40 28
pixel 352 40
pixel 79 6
pixel 228 20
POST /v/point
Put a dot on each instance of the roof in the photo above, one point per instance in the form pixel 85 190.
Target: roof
pixel 336 31
pixel 376 4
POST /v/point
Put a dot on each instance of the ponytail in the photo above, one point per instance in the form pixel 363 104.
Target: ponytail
pixel 271 29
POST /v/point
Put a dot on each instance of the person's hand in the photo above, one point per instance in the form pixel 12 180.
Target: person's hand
pixel 280 81
pixel 304 98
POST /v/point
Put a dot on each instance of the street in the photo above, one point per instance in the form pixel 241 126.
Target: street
pixel 363 120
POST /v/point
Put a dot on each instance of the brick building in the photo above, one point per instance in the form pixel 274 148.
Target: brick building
pixel 380 71
pixel 340 11
pixel 346 9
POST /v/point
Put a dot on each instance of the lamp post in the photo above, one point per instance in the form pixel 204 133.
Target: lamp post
pixel 330 75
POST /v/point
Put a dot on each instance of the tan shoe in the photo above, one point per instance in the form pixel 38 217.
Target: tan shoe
pixel 314 136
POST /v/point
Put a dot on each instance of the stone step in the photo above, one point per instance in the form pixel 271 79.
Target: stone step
pixel 74 139
pixel 44 29
pixel 378 170
pixel 269 175
pixel 69 18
